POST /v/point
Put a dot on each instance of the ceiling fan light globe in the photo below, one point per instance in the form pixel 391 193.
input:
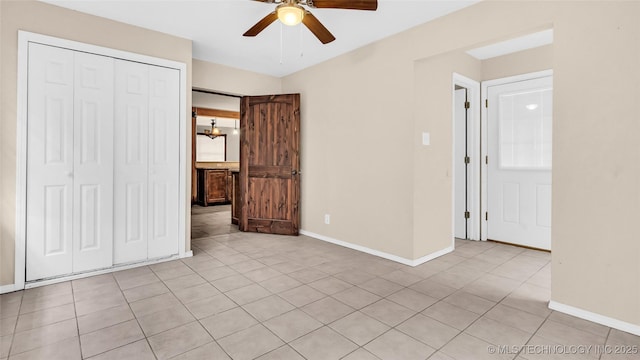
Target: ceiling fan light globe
pixel 290 14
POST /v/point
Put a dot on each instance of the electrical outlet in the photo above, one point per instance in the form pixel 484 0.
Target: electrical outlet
pixel 327 219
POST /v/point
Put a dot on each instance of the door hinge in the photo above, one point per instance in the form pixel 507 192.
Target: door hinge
pixel 467 160
pixel 486 160
pixel 486 216
pixel 486 103
pixel 467 105
pixel 467 215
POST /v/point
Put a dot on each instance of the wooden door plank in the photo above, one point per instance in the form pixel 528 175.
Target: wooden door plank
pixel 280 172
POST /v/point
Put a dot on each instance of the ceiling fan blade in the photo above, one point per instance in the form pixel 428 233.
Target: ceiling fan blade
pixel 344 4
pixel 317 28
pixel 261 25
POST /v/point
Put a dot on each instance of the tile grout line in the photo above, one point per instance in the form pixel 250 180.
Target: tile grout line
pixel 146 338
pixel 213 339
pixel 75 312
pixel 534 333
pixel 15 326
pixel 183 304
pixel 481 315
pixel 262 322
pixel 606 340
pixel 287 343
pixel 113 325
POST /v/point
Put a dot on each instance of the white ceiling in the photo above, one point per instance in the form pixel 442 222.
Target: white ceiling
pixel 216 28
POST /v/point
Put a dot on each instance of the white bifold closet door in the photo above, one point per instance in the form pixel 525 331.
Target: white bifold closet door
pixel 69 162
pixel 146 162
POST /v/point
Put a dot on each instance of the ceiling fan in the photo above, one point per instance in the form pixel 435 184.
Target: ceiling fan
pixel 291 12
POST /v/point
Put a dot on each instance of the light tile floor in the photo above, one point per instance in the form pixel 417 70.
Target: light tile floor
pixel 247 296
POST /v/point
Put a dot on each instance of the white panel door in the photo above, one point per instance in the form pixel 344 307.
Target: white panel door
pixel 164 160
pixel 519 169
pixel 93 162
pixel 460 173
pixel 131 141
pixel 49 162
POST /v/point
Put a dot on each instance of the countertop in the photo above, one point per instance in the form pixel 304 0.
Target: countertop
pixel 218 165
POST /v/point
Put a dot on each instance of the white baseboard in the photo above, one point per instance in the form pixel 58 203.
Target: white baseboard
pixel 12 287
pixel 8 288
pixel 112 269
pixel 596 318
pixel 432 256
pixel 378 253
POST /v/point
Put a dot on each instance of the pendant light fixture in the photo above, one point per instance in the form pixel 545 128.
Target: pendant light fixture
pixel 215 131
pixel 235 127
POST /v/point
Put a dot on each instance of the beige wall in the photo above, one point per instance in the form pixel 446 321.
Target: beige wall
pixel 522 62
pixel 373 181
pixel 228 80
pixel 432 110
pixel 353 167
pixel 596 162
pixel 55 21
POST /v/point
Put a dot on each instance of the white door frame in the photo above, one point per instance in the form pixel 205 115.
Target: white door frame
pixel 473 136
pixel 24 38
pixel 484 134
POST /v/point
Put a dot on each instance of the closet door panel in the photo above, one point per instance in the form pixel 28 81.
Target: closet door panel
pixel 131 141
pixel 164 154
pixel 93 162
pixel 49 162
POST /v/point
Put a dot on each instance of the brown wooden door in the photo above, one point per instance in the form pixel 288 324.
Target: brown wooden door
pixel 269 164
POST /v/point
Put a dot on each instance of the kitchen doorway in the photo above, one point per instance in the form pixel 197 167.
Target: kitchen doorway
pixel 215 162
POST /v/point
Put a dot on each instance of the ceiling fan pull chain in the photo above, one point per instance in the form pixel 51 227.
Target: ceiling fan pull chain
pixel 301 42
pixel 281 44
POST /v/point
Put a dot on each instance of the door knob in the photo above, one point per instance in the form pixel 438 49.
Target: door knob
pixel 294 172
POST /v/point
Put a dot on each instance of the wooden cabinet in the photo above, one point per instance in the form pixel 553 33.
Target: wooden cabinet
pixel 229 185
pixel 235 197
pixel 213 185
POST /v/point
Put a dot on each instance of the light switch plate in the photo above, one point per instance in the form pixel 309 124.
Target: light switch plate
pixel 426 138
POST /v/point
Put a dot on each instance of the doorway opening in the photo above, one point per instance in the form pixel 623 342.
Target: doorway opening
pixel 255 173
pixel 466 155
pixel 215 162
pixel 509 189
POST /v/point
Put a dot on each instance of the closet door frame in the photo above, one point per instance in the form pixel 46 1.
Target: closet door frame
pixel 24 38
